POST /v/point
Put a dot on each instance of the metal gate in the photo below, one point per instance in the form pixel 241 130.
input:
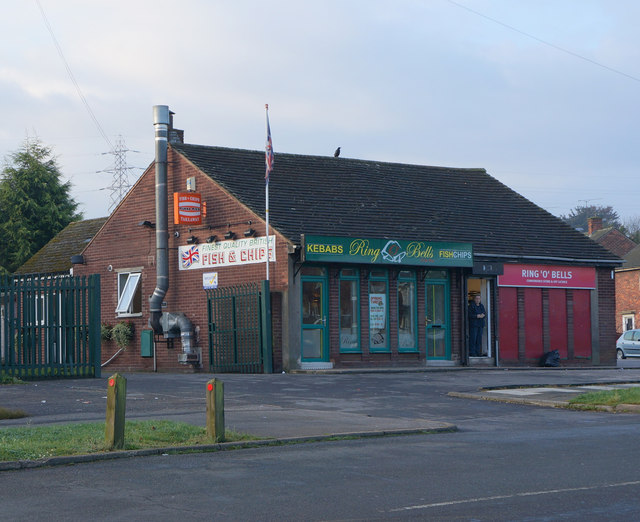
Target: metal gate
pixel 240 329
pixel 50 326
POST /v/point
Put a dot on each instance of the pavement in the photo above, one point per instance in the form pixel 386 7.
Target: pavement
pixel 550 396
pixel 282 408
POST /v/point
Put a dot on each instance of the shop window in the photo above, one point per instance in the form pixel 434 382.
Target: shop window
pixel 378 311
pixel 436 274
pixel 349 311
pixel 317 271
pixel 407 304
pixel 129 294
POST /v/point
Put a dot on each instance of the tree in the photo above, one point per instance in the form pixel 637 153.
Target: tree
pixel 34 204
pixel 631 227
pixel 578 217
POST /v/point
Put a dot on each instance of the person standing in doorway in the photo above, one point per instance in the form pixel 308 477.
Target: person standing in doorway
pixel 477 313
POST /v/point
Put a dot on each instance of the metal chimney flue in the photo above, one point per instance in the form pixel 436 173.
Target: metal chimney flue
pixel 161 121
pixel 164 323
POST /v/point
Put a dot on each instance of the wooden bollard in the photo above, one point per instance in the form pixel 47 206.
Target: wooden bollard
pixel 116 405
pixel 215 410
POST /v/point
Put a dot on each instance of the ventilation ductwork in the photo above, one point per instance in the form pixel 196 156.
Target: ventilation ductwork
pixel 161 125
pixel 164 323
pixel 177 324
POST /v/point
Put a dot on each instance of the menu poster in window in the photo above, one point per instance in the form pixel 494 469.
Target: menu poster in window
pixel 377 310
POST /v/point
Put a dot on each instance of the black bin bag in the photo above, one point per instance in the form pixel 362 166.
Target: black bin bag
pixel 550 359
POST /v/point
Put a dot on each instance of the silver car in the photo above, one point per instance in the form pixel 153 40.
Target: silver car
pixel 628 344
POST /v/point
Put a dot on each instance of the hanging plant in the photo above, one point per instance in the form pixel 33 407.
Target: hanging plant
pixel 105 331
pixel 122 333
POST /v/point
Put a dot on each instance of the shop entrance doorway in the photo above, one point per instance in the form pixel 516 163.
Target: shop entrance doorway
pixel 482 287
pixel 437 320
pixel 314 319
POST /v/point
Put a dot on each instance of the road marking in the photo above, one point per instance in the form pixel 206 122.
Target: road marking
pixel 532 391
pixel 515 495
pixel 528 391
pixel 562 390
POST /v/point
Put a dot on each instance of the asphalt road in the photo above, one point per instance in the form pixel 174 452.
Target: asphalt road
pixel 629 362
pixel 505 462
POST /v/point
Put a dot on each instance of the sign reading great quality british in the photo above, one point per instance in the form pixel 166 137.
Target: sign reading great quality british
pixel 548 276
pixel 226 253
pixel 385 251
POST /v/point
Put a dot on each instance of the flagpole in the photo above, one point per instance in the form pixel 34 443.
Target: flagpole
pixel 266 212
pixel 269 163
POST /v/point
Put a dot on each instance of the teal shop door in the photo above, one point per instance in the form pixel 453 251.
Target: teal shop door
pixel 314 320
pixel 437 320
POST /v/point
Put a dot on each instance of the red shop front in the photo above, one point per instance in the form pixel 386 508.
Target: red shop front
pixel 544 308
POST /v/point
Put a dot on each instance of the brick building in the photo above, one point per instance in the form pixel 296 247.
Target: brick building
pixel 610 238
pixel 628 292
pixel 372 264
pixel 627 276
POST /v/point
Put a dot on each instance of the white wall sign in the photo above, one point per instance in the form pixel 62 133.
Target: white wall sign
pixel 226 253
pixel 210 280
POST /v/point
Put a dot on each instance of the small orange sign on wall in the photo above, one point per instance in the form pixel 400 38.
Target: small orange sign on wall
pixel 187 208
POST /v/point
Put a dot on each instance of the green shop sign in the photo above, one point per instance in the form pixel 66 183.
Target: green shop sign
pixel 385 251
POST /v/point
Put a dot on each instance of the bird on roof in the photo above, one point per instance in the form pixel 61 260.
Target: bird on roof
pixel 336 153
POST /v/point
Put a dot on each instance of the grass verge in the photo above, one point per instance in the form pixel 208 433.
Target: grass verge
pixel 10 379
pixel 6 413
pixel 609 397
pixel 38 442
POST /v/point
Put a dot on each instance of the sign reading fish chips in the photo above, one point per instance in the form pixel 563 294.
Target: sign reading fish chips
pixel 226 253
pixel 187 208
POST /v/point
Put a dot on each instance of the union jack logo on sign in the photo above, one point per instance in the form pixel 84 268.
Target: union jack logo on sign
pixel 190 256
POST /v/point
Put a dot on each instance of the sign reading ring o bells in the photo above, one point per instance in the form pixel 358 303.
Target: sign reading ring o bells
pixel 385 251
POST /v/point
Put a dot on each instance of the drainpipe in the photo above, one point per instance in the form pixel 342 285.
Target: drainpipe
pixel 161 126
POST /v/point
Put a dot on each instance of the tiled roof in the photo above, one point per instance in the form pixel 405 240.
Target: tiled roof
pixel 614 240
pixel 632 258
pixel 600 233
pixel 55 256
pixel 347 197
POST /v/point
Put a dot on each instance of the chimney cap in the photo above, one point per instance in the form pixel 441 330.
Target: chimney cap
pixel 161 115
pixel 595 224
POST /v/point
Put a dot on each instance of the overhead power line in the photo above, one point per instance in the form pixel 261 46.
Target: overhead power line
pixel 72 77
pixel 554 46
pixel 120 171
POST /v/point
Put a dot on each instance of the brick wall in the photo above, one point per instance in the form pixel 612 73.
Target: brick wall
pixel 123 244
pixel 607 316
pixel 627 284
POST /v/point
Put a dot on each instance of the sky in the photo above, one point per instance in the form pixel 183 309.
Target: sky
pixel 543 94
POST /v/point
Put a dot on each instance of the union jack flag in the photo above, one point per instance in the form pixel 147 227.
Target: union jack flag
pixel 190 256
pixel 268 157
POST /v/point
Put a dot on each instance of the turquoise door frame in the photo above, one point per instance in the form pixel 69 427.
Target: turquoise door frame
pixel 314 314
pixel 437 320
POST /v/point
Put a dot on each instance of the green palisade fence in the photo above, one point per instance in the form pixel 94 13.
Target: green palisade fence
pixel 240 329
pixel 50 326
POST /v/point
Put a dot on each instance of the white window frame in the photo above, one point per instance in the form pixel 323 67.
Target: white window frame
pixel 127 293
pixel 624 321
